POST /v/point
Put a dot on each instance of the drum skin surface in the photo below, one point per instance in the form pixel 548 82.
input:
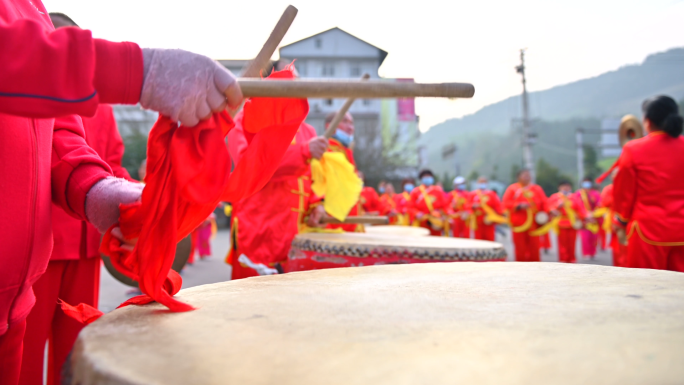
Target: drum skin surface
pixel 398 230
pixel 315 251
pixel 433 323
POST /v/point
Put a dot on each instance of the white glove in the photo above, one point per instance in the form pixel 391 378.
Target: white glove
pixel 102 201
pixel 186 86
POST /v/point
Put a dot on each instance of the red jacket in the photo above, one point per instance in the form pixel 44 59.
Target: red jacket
pixel 422 194
pixel 478 198
pixel 268 221
pixel 370 201
pixel 44 75
pixel 557 202
pixel 102 136
pixel 649 188
pixel 458 200
pixel 532 195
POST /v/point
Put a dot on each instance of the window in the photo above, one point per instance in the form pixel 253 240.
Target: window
pixel 328 102
pixel 355 70
pixel 328 69
pixel 301 67
pixel 318 43
pixel 366 102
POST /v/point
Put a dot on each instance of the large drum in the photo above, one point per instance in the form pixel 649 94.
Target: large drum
pixel 436 323
pixel 398 230
pixel 325 250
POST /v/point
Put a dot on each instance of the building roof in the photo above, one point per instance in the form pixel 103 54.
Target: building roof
pixel 379 53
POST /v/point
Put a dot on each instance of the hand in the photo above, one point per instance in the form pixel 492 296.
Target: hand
pixel 185 86
pixel 522 206
pixel 315 217
pixel 126 244
pixel 317 146
pixel 555 213
pixel 103 199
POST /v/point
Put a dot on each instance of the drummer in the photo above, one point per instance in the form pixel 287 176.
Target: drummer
pixel 394 203
pixel 523 201
pixel 565 206
pixel 649 189
pixel 590 199
pixel 430 205
pixel 458 199
pixel 264 224
pixel 370 200
pixel 606 201
pixel 485 207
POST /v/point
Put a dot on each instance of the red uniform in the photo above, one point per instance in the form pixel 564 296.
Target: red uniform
pixel 44 75
pixel 73 273
pixel 523 219
pixel 430 207
pixel 568 208
pixel 265 224
pixel 649 196
pixel 395 204
pixel 458 201
pixel 371 203
pixel 478 203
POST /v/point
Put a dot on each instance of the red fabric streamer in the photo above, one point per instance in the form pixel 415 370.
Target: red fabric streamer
pixel 188 173
pixel 82 313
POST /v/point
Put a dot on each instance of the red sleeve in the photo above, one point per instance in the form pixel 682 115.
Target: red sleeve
pixel 46 75
pixel 578 206
pixel 509 198
pixel 495 202
pixel 295 161
pixel 625 186
pixel 115 147
pixel 75 166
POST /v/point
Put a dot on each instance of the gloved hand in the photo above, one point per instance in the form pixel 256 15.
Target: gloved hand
pixel 102 201
pixel 186 86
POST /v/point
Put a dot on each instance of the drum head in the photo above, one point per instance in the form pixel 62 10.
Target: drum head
pixel 398 230
pixel 541 218
pixel 577 225
pixel 426 248
pixel 433 323
pixel 183 250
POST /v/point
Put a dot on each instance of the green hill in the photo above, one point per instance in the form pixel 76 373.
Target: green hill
pixel 486 141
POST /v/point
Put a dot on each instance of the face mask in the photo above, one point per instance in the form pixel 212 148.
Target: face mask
pixel 409 187
pixel 482 186
pixel 343 137
pixel 586 184
pixel 381 190
pixel 460 187
pixel 428 180
pixel 566 193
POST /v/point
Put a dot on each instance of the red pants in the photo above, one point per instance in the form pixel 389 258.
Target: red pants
pixel 602 235
pixel 75 282
pixel 567 238
pixel 645 256
pixel 545 242
pixel 10 353
pixel 526 247
pixel 485 232
pixel 619 251
pixel 460 228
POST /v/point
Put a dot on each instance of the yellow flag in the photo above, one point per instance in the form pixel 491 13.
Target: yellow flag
pixel 335 178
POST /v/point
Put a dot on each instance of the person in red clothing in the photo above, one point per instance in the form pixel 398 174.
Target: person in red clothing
pixel 395 204
pixel 567 208
pixel 46 78
pixel 648 196
pixel 482 202
pixel 430 205
pixel 619 251
pixel 590 198
pixel 458 201
pixel 265 224
pixel 370 200
pixel 523 201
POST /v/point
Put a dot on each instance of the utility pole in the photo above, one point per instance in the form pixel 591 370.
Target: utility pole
pixel 527 137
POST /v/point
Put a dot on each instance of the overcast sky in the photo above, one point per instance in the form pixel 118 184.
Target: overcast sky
pixel 475 41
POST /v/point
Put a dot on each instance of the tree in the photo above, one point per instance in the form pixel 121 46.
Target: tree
pixel 591 167
pixel 380 157
pixel 135 152
pixel 495 173
pixel 548 177
pixel 473 176
pixel 515 169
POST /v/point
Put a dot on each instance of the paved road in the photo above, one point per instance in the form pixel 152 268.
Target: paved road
pixel 214 269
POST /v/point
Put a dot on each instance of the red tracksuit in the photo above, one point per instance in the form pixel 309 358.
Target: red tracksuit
pixel 426 201
pixel 73 273
pixel 45 75
pixel 477 200
pixel 526 245
pixel 567 235
pixel 371 203
pixel 649 195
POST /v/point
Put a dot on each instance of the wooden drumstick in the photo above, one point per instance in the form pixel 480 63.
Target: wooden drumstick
pixel 341 113
pixel 263 58
pixel 347 88
pixel 359 220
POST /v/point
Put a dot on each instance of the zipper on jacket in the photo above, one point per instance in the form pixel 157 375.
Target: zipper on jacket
pixel 32 219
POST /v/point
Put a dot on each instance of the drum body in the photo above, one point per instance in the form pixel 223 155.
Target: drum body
pixel 324 250
pixel 398 230
pixel 429 323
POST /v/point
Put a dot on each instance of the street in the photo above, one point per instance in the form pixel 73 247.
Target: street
pixel 214 269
